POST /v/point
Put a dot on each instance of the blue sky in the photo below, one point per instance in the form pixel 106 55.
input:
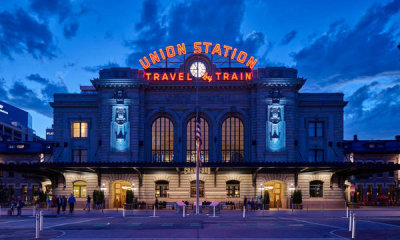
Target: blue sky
pixel 51 46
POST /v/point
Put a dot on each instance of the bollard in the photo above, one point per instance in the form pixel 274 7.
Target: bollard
pixel 33 210
pixel 244 211
pixel 37 227
pixel 353 232
pixel 347 212
pixel 154 212
pixel 350 222
pixel 263 210
pixel 183 211
pixel 41 220
pixel 123 211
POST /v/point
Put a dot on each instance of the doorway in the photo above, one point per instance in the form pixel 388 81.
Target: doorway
pixel 274 189
pixel 120 188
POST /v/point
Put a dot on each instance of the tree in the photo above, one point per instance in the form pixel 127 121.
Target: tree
pixel 266 197
pixel 297 197
pixel 129 197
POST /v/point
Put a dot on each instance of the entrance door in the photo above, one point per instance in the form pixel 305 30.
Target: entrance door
pixel 120 188
pixel 275 192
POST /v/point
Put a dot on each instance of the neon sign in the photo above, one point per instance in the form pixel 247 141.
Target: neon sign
pixel 181 76
pixel 199 47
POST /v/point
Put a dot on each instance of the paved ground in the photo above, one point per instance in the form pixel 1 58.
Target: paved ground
pixel 382 223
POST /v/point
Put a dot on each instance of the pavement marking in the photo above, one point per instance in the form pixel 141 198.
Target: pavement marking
pixel 62 224
pixel 320 224
pixel 16 221
pixel 296 225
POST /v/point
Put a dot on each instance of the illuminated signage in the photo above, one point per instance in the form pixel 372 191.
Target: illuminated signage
pixel 2 110
pixel 181 76
pixel 199 47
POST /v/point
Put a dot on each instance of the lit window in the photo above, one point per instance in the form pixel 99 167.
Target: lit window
pixel 79 155
pixel 316 155
pixel 193 189
pixel 161 189
pixel 232 140
pixel 80 189
pixel 162 140
pixel 315 129
pixel 233 189
pixel 191 140
pixel 79 129
pixel 316 189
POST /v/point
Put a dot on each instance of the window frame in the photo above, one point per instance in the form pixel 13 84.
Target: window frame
pixel 317 183
pixel 315 155
pixel 80 155
pixel 232 140
pixel 162 128
pixel 162 186
pixel 231 187
pixel 80 187
pixel 80 129
pixel 191 148
pixel 201 189
pixel 314 128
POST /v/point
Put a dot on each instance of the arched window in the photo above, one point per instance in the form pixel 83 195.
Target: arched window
pixel 162 188
pixel 233 188
pixel 232 140
pixel 80 189
pixel 316 188
pixel 193 189
pixel 191 140
pixel 162 136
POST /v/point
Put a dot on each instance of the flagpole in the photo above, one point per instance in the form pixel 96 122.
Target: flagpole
pixel 197 142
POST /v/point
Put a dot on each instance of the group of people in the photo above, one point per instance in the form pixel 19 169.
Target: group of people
pixel 253 205
pixel 61 203
pixel 18 204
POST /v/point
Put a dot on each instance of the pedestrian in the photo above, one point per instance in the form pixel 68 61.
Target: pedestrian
pixel 156 203
pixel 12 207
pixel 71 201
pixel 245 202
pixel 53 201
pixel 252 204
pixel 19 206
pixel 59 204
pixel 64 204
pixel 87 204
pixel 48 202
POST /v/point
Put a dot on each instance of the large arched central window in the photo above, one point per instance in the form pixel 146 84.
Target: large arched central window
pixel 232 140
pixel 162 140
pixel 191 140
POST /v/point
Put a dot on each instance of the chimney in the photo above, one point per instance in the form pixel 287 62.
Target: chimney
pixel 397 137
pixel 355 138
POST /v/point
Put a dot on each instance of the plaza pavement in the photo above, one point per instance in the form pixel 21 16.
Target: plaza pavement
pixel 371 223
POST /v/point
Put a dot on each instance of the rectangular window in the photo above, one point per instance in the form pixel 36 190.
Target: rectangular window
pixel 316 155
pixel 315 129
pixel 79 129
pixel 79 155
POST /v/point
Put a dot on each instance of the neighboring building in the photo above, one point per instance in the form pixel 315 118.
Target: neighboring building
pixel 49 134
pixel 380 187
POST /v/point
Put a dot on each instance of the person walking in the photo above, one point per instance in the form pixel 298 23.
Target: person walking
pixel 64 204
pixel 48 202
pixel 59 204
pixel 12 207
pixel 87 204
pixel 156 203
pixel 71 201
pixel 19 207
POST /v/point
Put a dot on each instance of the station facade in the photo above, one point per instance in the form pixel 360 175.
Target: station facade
pixel 135 129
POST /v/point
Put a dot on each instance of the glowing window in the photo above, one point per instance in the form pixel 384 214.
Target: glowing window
pixel 233 189
pixel 162 188
pixel 79 129
pixel 193 189
pixel 191 140
pixel 80 189
pixel 232 140
pixel 162 140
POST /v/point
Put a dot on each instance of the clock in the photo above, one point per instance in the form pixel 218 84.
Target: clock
pixel 198 69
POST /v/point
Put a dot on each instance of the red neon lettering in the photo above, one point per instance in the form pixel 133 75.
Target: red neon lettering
pixel 226 76
pixel 162 54
pixel 181 49
pixel 147 76
pixel 207 77
pixel 180 76
pixel 188 77
pixel 218 74
pixel 251 62
pixel 170 51
pixel 227 48
pixel 154 57
pixel 233 53
pixel 164 77
pixel 241 76
pixel 234 76
pixel 207 44
pixel 145 66
pixel 156 77
pixel 249 76
pixel 217 49
pixel 242 57
pixel 197 47
pixel 173 76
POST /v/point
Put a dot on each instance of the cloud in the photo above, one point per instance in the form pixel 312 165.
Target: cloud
pixel 190 21
pixel 345 52
pixel 21 33
pixel 3 91
pixel 97 68
pixel 65 10
pixel 288 37
pixel 49 88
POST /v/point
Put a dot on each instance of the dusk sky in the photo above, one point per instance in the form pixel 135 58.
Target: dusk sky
pixel 55 46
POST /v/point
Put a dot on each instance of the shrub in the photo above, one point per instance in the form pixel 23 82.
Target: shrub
pixel 297 197
pixel 266 197
pixel 129 197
